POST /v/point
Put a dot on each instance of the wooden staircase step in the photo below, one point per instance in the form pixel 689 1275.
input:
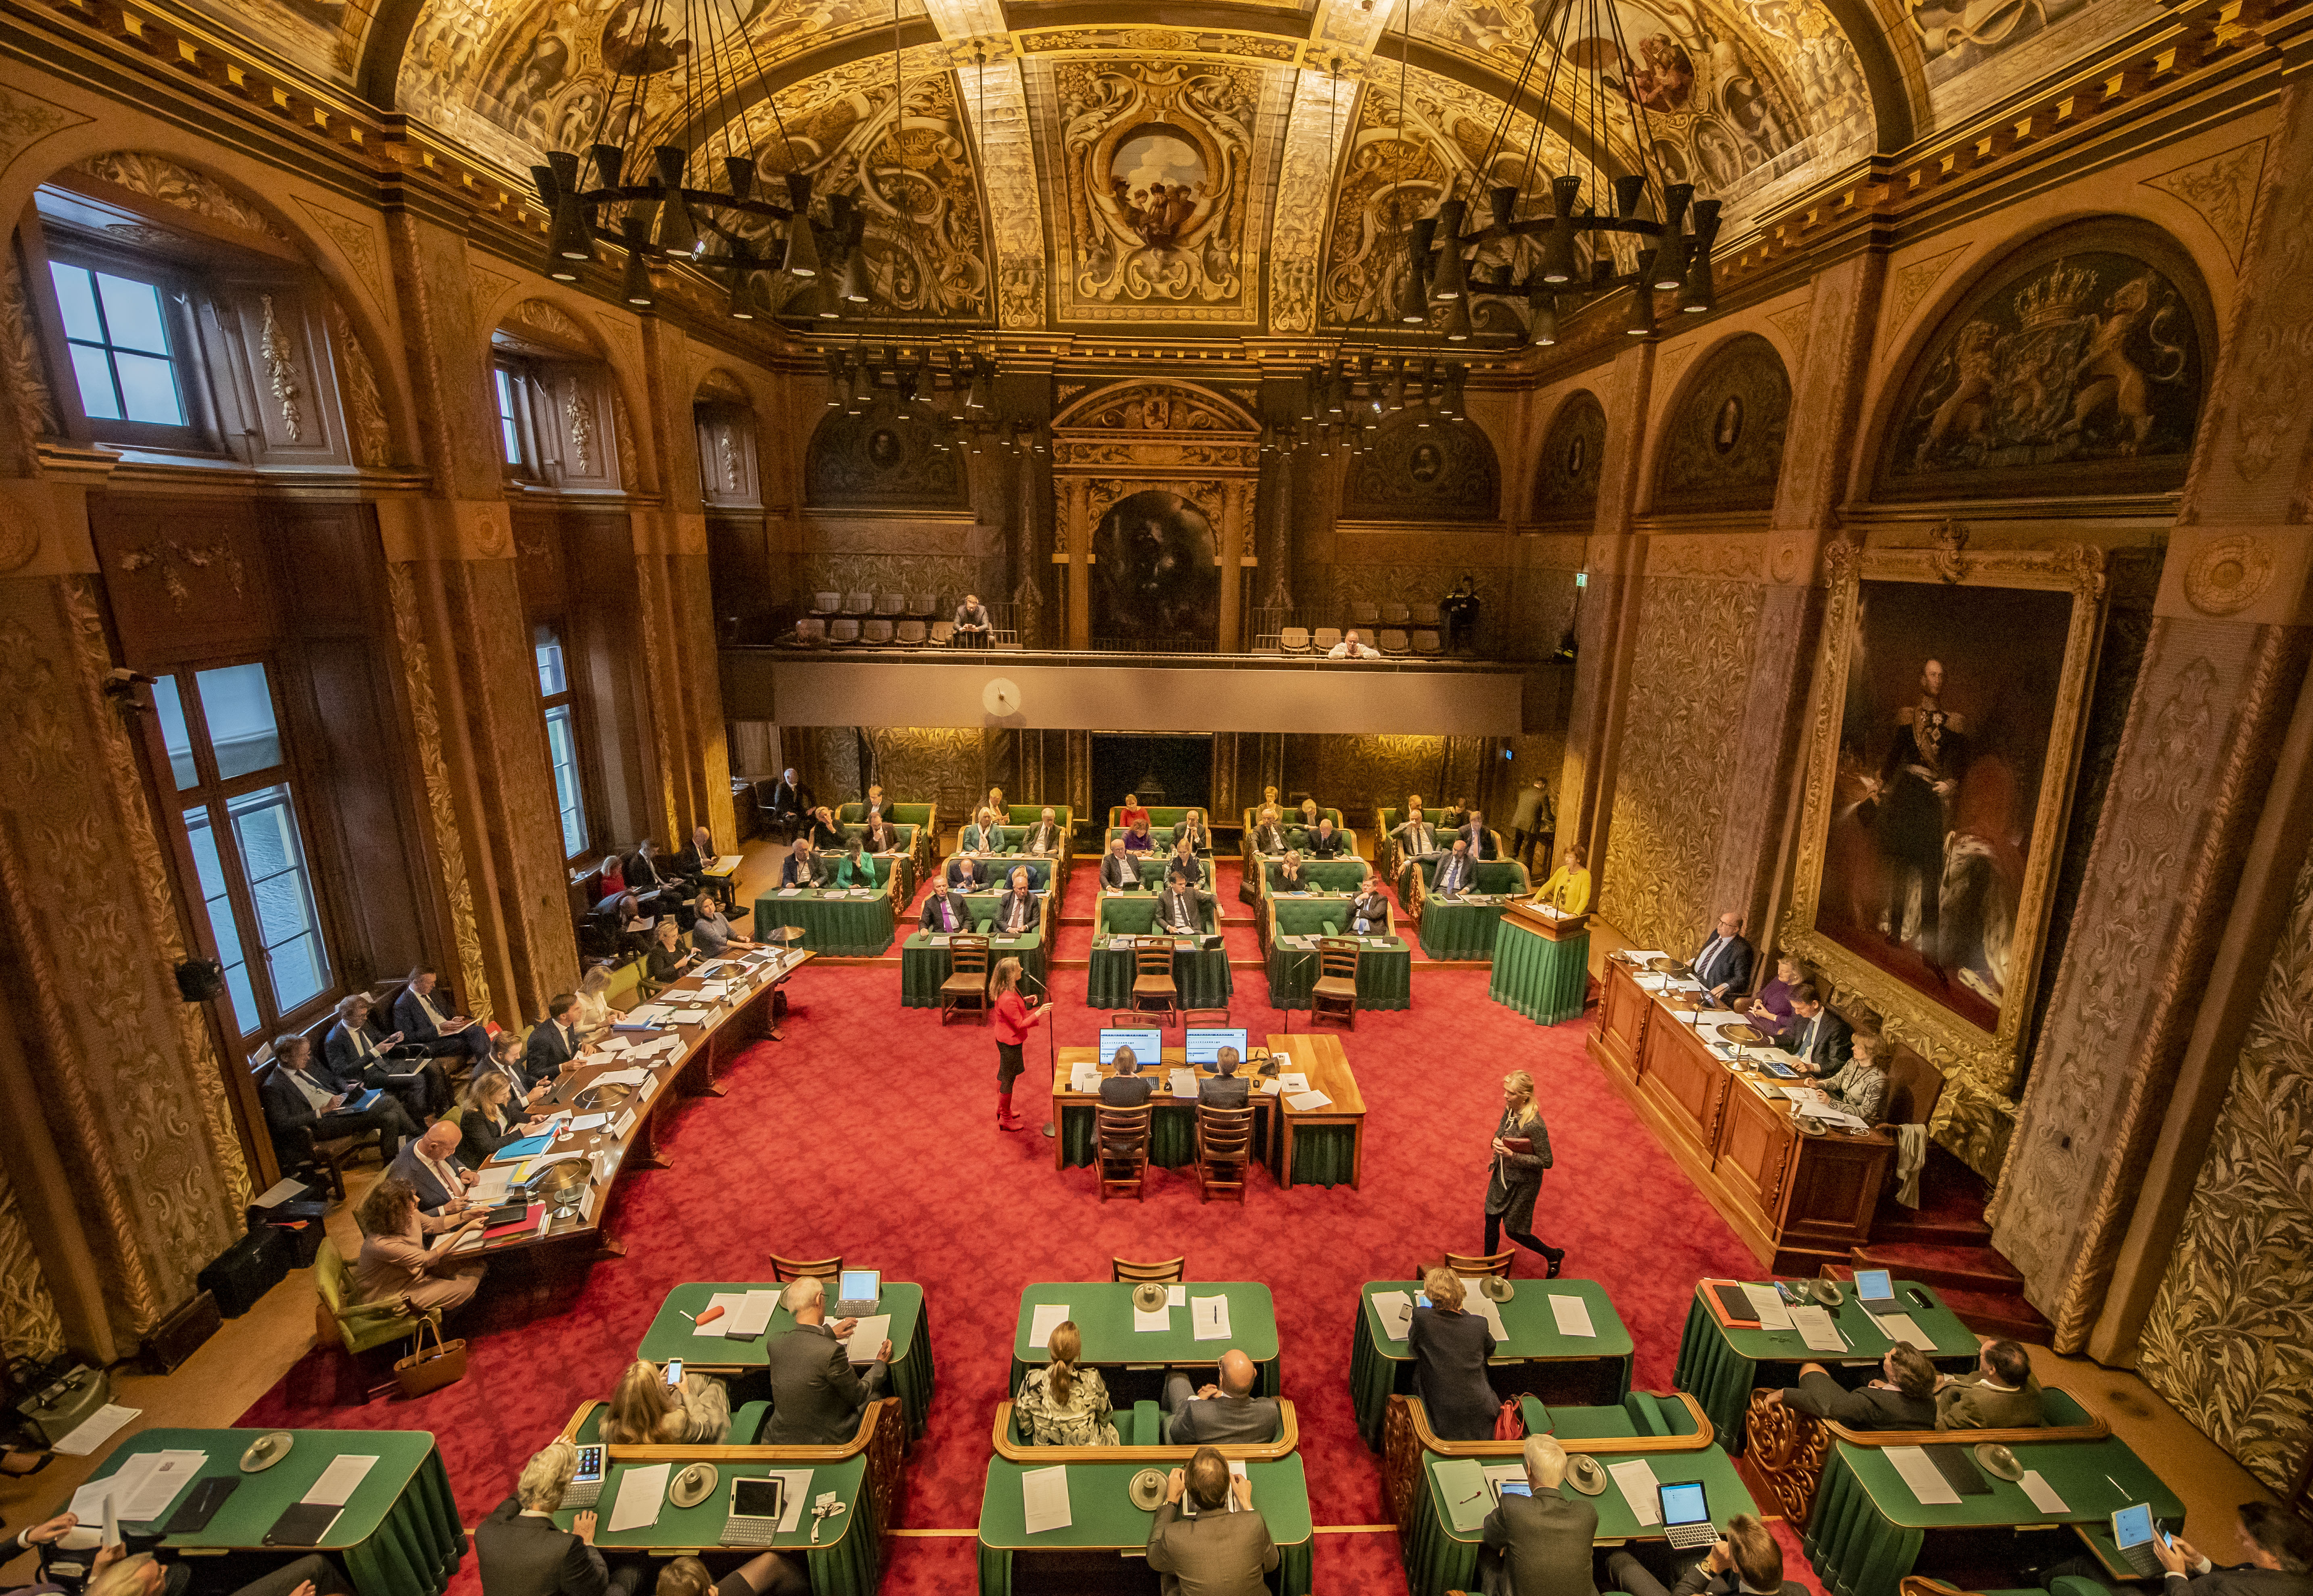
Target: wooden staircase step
pixel 1965 1268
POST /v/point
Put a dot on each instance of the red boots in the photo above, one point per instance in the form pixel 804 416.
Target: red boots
pixel 1003 1119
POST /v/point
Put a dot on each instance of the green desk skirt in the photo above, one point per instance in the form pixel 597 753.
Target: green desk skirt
pixel 1101 1519
pixel 1720 1375
pixel 1327 876
pixel 845 1564
pixel 1385 976
pixel 923 967
pixel 1459 930
pixel 1293 1576
pixel 1855 1550
pixel 1544 980
pixel 1172 1135
pixel 1436 1561
pixel 1201 975
pixel 1325 1154
pixel 840 927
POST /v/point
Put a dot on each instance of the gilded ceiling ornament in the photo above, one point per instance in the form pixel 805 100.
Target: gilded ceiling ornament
pixel 551 321
pixel 1793 325
pixel 1946 560
pixel 2228 575
pixel 281 371
pixel 356 239
pixel 2222 188
pixel 25 119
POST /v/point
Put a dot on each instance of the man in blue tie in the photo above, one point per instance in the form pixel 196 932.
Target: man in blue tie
pixel 1724 965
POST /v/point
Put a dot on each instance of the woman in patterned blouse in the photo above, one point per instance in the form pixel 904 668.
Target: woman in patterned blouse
pixel 1062 1405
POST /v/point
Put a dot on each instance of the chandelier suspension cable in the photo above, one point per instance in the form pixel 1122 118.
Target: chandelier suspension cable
pixel 770 98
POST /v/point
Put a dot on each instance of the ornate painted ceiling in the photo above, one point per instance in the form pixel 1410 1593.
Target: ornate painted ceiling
pixel 1207 166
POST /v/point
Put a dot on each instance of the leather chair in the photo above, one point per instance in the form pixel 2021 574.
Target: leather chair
pixel 1363 614
pixel 910 634
pixel 827 604
pixel 876 633
pixel 1426 642
pixel 859 605
pixel 843 632
pixel 891 606
pixel 1390 640
pixel 1394 614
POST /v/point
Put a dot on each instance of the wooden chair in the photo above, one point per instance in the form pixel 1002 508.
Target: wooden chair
pixel 911 634
pixel 966 986
pixel 1335 989
pixel 1391 640
pixel 1480 1263
pixel 1212 1017
pixel 1122 1149
pixel 1168 1271
pixel 798 1268
pixel 1294 640
pixel 1152 989
pixel 1224 1151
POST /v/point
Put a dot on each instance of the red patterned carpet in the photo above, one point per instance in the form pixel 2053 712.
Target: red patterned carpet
pixel 870 1133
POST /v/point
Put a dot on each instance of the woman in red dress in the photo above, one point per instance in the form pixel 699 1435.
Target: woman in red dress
pixel 1014 1019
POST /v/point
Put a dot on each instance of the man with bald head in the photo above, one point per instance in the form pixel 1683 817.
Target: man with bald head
pixel 1226 1412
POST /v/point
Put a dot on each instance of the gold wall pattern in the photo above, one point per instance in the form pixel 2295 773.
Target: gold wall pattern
pixel 2230 1339
pixel 919 764
pixel 29 1324
pixel 22 366
pixel 25 119
pixel 2222 188
pixel 357 381
pixel 1662 849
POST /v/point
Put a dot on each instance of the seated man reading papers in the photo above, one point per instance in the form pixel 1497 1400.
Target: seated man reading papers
pixel 801 867
pixel 1215 1552
pixel 1119 870
pixel 944 911
pixel 1044 839
pixel 1540 1536
pixel 1269 833
pixel 1177 907
pixel 1226 1411
pixel 816 1395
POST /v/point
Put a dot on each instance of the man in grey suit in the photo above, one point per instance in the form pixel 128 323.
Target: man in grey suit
pixel 1747 1560
pixel 1543 1539
pixel 1222 1550
pixel 1903 1397
pixel 1821 1039
pixel 520 1552
pixel 816 1397
pixel 1227 1411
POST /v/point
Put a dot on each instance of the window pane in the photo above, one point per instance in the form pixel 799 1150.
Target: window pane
pixel 239 715
pixel 509 435
pixel 93 373
pixel 148 389
pixel 551 681
pixel 242 996
pixel 265 827
pixel 173 733
pixel 132 314
pixel 562 746
pixel 76 298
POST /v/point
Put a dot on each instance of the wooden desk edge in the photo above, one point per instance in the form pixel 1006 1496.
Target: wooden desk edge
pixel 1704 1437
pixel 871 1417
pixel 1287 1442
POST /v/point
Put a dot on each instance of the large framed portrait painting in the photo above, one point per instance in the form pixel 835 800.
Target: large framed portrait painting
pixel 1942 754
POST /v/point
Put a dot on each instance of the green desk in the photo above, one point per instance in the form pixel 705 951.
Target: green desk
pixel 400 1535
pixel 1172 1127
pixel 1543 977
pixel 1439 1557
pixel 1102 1518
pixel 898 814
pixel 1719 1366
pixel 1379 1366
pixel 840 927
pixel 1201 975
pixel 1162 817
pixel 1327 876
pixel 924 964
pixel 1102 1312
pixel 1459 929
pixel 1868 1531
pixel 1385 974
pixel 845 1562
pixel 1152 869
pixel 671 1336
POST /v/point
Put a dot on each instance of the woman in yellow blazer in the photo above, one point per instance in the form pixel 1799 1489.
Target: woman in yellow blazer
pixel 1568 890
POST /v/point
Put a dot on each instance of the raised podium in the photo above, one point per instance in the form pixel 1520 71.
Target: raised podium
pixel 1541 962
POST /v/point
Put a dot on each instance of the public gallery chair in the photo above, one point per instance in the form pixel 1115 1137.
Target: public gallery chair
pixel 1153 988
pixel 784 1269
pixel 1786 1449
pixel 1224 1151
pixel 1123 1146
pixel 966 986
pixel 811 632
pixel 876 633
pixel 843 632
pixel 1335 991
pixel 827 604
pixel 1293 640
pixel 1163 1271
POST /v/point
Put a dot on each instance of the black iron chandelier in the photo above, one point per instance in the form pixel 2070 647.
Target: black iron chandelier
pixel 956 402
pixel 1345 402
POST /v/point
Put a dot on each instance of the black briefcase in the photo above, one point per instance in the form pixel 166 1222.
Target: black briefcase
pixel 248 1269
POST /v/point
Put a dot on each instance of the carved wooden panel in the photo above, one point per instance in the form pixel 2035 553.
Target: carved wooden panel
pixel 1687 1083
pixel 878 461
pixel 184 577
pixel 1566 476
pixel 1722 447
pixel 1754 1147
pixel 1622 1010
pixel 728 472
pixel 1423 468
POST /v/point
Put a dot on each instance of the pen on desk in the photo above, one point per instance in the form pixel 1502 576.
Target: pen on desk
pixel 2115 1484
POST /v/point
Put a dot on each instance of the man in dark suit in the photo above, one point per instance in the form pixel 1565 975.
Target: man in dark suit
pixel 1016 911
pixel 430 1164
pixel 801 867
pixel 1227 1088
pixel 1455 871
pixel 966 875
pixel 1369 910
pixel 1540 1542
pixel 1473 830
pixel 427 1021
pixel 698 857
pixel 816 1395
pixel 1821 1040
pixel 944 911
pixel 1044 838
pixel 1215 1552
pixel 1903 1397
pixel 519 1552
pixel 1268 834
pixel 1747 1560
pixel 1324 842
pixel 356 1055
pixel 791 803
pixel 1724 964
pixel 1178 908
pixel 553 1042
pixel 1226 1411
pixel 2278 1546
pixel 1128 1088
pixel 298 1101
pixel 971 625
pixel 1119 870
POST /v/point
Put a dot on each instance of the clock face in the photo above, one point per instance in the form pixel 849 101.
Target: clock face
pixel 1001 696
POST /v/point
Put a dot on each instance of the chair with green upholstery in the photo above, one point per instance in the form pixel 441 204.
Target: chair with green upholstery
pixel 338 1316
pixel 748 1423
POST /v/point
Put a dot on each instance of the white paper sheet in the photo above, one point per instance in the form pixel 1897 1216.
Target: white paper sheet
pixel 2044 1494
pixel 1927 1482
pixel 798 1492
pixel 1085 1077
pixel 1049 1317
pixel 1636 1479
pixel 1817 1328
pixel 1902 1326
pixel 96 1429
pixel 641 1493
pixel 1303 1101
pixel 1044 1500
pixel 1475 1301
pixel 751 1315
pixel 1292 1080
pixel 1573 1316
pixel 867 1337
pixel 341 1479
pixel 1153 1319
pixel 1769 1305
pixel 730 1302
pixel 1184 1083
pixel 1209 1317
pixel 1396 1311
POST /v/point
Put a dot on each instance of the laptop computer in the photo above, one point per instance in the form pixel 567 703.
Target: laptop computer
pixel 1876 1290
pixel 1686 1515
pixel 2132 1532
pixel 857 1292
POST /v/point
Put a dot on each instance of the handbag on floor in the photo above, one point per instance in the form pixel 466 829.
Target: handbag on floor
pixel 1508 1425
pixel 422 1370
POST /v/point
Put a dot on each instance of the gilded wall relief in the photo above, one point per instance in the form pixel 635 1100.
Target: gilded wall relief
pixel 357 381
pixel 2076 367
pixel 1422 469
pixel 1566 476
pixel 2230 1339
pixel 2222 188
pixel 1693 646
pixel 880 460
pixel 157 178
pixel 1722 448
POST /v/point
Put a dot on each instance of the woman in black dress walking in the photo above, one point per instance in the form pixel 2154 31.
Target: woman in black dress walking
pixel 1514 1175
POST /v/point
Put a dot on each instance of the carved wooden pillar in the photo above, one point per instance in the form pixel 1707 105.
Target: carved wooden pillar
pixel 1277 496
pixel 1234 495
pixel 1076 541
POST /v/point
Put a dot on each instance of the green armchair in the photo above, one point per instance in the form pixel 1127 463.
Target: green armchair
pixel 357 1325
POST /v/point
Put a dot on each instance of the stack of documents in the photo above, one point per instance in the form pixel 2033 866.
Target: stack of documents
pixel 1396 1311
pixel 747 1314
pixel 1918 1472
pixel 1902 1327
pixel 1044 1499
pixel 1462 1482
pixel 868 1337
pixel 1184 1083
pixel 641 1494
pixel 1817 1329
pixel 1085 1077
pixel 1767 1302
pixel 142 1490
pixel 1208 1318
pixel 1306 1100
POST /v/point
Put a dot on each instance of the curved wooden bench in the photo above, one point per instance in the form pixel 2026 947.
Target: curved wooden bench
pixel 1786 1448
pixel 1009 1446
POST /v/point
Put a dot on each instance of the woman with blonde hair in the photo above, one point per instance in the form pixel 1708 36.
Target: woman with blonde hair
pixel 1521 1152
pixel 1449 1348
pixel 1014 1018
pixel 486 1121
pixel 766 1574
pixel 646 1411
pixel 1568 890
pixel 1062 1404
pixel 595 1015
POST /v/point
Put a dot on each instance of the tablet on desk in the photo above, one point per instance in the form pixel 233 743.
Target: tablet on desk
pixel 1874 1289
